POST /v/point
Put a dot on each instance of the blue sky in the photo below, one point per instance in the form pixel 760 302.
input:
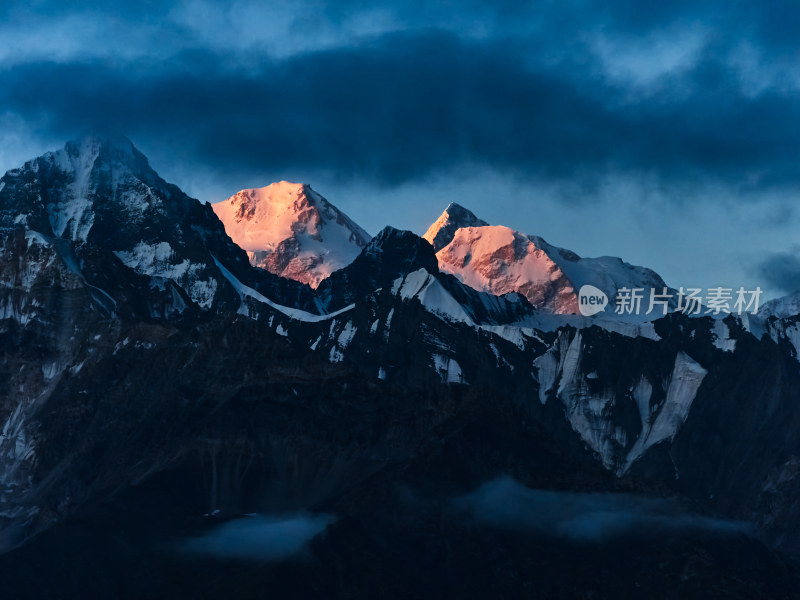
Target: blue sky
pixel 668 135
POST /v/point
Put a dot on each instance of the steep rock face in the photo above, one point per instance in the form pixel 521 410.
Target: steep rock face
pixel 619 412
pixel 389 254
pixel 102 192
pixel 454 217
pixel 499 260
pixel 291 231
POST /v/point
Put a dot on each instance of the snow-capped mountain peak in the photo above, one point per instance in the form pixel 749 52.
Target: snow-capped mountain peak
pixel 119 148
pixel 99 197
pixel 499 260
pixel 292 231
pixel 79 173
pixel 444 228
pixel 785 306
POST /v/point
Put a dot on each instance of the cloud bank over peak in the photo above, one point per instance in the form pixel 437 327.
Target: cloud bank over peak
pixel 681 103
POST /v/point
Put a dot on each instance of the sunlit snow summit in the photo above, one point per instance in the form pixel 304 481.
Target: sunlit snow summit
pixel 291 231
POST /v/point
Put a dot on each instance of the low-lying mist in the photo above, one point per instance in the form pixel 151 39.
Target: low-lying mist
pixel 584 517
pixel 259 537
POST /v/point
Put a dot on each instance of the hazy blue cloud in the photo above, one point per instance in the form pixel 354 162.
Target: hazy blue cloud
pixel 781 271
pixel 259 538
pixel 583 516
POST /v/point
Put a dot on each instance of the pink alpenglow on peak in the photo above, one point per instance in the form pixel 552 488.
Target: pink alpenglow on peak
pixel 499 260
pixel 444 228
pixel 291 231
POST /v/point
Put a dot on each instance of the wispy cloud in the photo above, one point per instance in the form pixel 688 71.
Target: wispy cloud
pixel 584 517
pixel 259 538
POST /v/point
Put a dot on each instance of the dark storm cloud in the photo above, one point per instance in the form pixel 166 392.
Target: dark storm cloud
pixel 781 271
pixel 771 26
pixel 55 8
pixel 518 87
pixel 406 105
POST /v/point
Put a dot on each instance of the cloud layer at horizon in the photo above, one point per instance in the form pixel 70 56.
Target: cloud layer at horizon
pixel 667 105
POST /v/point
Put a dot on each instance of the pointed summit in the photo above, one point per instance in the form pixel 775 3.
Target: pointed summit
pixel 499 260
pixel 292 231
pixel 64 192
pixel 100 199
pixel 110 150
pixel 104 140
pixel 453 218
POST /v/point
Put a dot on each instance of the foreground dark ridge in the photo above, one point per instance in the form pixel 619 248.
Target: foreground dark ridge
pixel 145 387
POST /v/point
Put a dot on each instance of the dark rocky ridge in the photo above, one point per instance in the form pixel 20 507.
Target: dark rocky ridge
pixel 129 411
